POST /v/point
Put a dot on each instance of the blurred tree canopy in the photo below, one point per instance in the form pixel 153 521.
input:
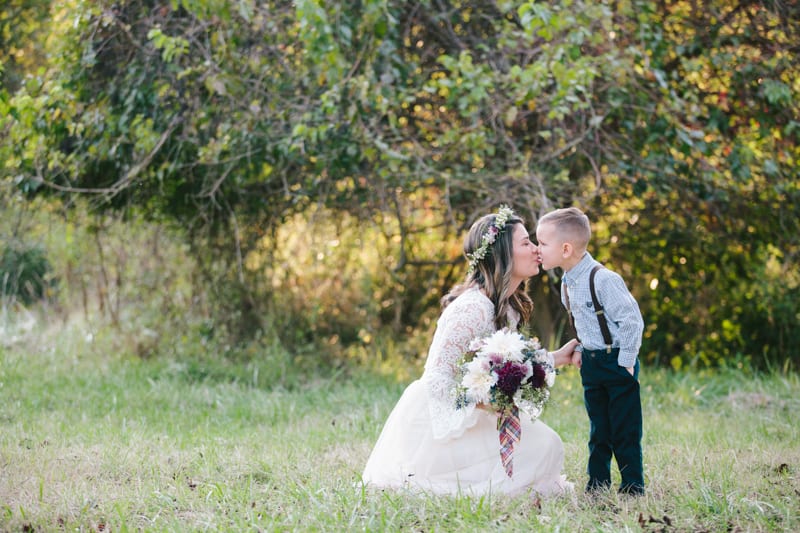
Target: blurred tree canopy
pixel 673 123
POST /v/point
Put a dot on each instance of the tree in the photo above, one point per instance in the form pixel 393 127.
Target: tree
pixel 229 119
pixel 706 148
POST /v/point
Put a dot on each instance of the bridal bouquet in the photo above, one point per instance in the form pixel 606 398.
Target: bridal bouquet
pixel 509 372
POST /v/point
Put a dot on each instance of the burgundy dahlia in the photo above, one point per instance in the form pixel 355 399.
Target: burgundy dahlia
pixel 509 376
pixel 538 377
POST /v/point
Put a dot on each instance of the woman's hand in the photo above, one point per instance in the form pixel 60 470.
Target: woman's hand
pixel 485 407
pixel 563 356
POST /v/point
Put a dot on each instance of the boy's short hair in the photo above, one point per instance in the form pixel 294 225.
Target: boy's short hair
pixel 571 224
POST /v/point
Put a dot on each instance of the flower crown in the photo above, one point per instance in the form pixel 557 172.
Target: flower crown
pixel 488 238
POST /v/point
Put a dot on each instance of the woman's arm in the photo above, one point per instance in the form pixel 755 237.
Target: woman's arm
pixel 463 321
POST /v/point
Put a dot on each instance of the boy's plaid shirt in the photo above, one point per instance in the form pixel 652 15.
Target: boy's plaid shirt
pixel 621 310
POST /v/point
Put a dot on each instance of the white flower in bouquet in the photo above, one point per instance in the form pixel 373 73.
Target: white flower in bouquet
pixel 478 380
pixel 528 365
pixel 507 343
pixel 550 378
pixel 476 344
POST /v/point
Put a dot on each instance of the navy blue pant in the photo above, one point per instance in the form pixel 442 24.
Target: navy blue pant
pixel 614 407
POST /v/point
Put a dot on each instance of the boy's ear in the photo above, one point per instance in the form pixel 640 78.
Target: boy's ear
pixel 566 250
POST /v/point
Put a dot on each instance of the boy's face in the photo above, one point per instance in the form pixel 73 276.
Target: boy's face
pixel 551 247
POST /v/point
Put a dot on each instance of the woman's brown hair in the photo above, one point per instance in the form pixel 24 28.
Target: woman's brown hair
pixel 492 273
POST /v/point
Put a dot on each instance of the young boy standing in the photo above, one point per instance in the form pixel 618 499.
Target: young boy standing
pixel 609 325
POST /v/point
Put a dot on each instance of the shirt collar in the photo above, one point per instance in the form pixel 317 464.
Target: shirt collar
pixel 583 266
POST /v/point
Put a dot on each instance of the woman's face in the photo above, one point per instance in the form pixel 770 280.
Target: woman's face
pixel 524 255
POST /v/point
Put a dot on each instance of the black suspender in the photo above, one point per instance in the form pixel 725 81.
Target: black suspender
pixel 569 310
pixel 598 310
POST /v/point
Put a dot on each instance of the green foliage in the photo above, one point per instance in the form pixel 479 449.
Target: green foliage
pixel 332 280
pixel 25 273
pixel 21 50
pixel 703 211
pixel 230 119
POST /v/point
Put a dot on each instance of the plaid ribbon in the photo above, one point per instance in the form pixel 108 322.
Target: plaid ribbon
pixel 509 430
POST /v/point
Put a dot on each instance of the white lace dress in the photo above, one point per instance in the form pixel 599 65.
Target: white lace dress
pixel 428 444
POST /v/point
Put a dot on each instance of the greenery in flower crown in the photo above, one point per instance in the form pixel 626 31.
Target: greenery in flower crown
pixel 488 238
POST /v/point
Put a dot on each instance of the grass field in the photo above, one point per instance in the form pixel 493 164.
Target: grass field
pixel 91 440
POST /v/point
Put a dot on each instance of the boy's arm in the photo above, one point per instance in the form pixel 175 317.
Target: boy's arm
pixel 563 356
pixel 621 307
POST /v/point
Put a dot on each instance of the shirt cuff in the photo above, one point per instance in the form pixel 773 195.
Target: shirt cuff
pixel 628 360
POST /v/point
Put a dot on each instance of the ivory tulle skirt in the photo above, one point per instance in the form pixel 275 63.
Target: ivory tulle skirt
pixel 407 456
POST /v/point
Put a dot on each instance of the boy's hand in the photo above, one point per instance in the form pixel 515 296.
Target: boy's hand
pixel 577 358
pixel 629 369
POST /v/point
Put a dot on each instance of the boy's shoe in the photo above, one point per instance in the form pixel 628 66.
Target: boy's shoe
pixel 632 490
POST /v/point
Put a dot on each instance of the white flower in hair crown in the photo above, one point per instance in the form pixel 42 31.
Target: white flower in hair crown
pixel 488 238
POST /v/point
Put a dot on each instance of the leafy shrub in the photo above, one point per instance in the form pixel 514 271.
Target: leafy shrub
pixel 25 272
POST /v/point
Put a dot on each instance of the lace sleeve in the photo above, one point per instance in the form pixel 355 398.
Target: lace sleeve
pixel 467 317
